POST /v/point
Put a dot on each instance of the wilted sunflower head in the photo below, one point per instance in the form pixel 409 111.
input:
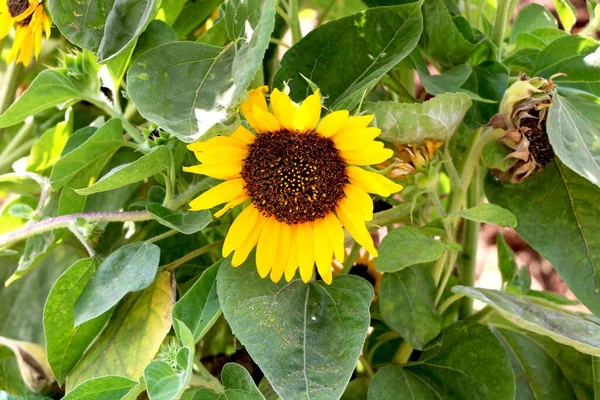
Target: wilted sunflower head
pixel 523 113
pixel 300 179
pixel 30 21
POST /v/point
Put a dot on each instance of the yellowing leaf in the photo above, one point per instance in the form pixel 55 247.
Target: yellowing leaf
pixel 132 337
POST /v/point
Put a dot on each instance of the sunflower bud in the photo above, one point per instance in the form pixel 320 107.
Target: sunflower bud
pixel 523 113
pixel 411 159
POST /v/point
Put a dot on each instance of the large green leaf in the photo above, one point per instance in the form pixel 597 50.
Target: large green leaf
pixel 406 305
pixel 104 388
pixel 546 370
pixel 490 214
pixel 199 308
pixel 559 325
pixel 132 337
pixel 187 222
pixel 237 385
pixel 435 119
pixel 144 167
pixel 576 56
pixel 396 383
pixel 407 246
pixel 557 212
pixel 124 24
pixel 107 138
pixel 157 33
pixel 531 17
pixel 306 338
pixel 82 22
pixel 65 343
pixel 488 80
pixel 574 130
pixel 47 149
pixel 129 269
pixel 347 57
pixel 467 362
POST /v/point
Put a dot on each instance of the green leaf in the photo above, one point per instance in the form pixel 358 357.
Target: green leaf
pixel 347 57
pixel 65 343
pixel 531 17
pixel 406 305
pixel 216 35
pixel 157 33
pixel 563 327
pixel 144 167
pixel 36 249
pixel 543 375
pixel 435 119
pixel 187 222
pixel 394 382
pixel 407 246
pixel 557 213
pixel 132 337
pixel 446 39
pixel 23 301
pixel 124 24
pixel 193 15
pixel 107 138
pixel 494 156
pixel 573 127
pixel 199 307
pixel 489 81
pixel 47 149
pixel 183 87
pixel 129 269
pixel 104 388
pixel 467 362
pixel 82 22
pixel 567 13
pixel 237 383
pixel 165 383
pixel 575 56
pixel 506 259
pixel 490 214
pixel 314 332
pixel 249 23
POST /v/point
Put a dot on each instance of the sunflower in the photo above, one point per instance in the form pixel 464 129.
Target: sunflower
pixel 30 21
pixel 301 179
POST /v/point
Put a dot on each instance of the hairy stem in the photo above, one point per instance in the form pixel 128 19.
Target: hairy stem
pixel 75 231
pixel 8 239
pixel 503 13
pixel 403 354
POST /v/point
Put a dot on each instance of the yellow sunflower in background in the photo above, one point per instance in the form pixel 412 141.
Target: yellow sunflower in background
pixel 30 21
pixel 302 180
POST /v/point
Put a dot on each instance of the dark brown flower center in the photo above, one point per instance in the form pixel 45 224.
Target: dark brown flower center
pixel 294 177
pixel 16 8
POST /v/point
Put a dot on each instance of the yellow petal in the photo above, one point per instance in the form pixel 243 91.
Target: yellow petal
pixel 28 11
pixel 235 202
pixel 284 109
pixel 323 250
pixel 215 142
pixel 222 155
pixel 292 263
pixel 265 121
pixel 217 171
pixel 332 123
pixel 357 121
pixel 355 138
pixel 266 250
pixel 336 236
pixel 6 22
pixel 240 229
pixel 352 220
pixel 222 193
pixel 308 113
pixel 243 135
pixel 242 252
pixel 20 34
pixel 372 182
pixel 306 257
pixel 374 153
pixel 361 199
pixel 256 98
pixel 283 252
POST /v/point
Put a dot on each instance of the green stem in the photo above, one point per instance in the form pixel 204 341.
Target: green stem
pixel 351 258
pixel 503 13
pixel 294 21
pixel 205 379
pixel 403 354
pixel 367 366
pixel 326 12
pixel 163 236
pixel 82 239
pixel 448 302
pixel 481 315
pixel 438 267
pixel 189 194
pixel 466 272
pixel 447 273
pixel 467 5
pixel 190 256
pixel 63 221
pixel 23 133
pixel 596 377
pixel 397 214
pixel 128 126
pixel 10 83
